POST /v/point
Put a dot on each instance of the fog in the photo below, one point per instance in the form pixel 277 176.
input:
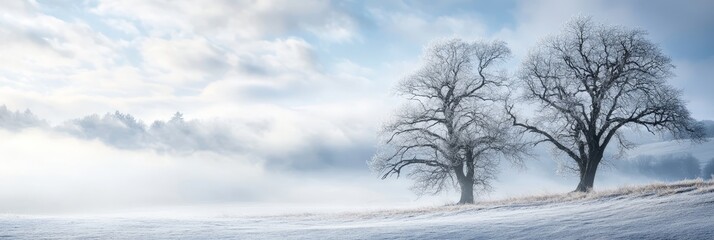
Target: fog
pixel 115 163
pixel 52 173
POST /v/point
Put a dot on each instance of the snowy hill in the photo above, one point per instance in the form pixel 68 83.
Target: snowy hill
pixel 680 210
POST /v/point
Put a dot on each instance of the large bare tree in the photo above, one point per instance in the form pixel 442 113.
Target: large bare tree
pixel 592 80
pixel 451 131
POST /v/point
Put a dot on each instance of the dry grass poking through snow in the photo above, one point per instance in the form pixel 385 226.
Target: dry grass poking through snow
pixel 654 189
pixel 696 186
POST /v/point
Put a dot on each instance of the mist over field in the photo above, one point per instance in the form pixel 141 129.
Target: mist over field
pixel 262 113
pixel 113 162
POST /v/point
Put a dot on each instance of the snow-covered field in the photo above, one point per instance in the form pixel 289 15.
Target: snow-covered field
pixel 681 210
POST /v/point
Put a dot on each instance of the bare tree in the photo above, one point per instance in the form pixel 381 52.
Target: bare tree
pixel 593 80
pixel 451 131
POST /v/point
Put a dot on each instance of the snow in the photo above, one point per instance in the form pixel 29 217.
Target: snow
pixel 680 210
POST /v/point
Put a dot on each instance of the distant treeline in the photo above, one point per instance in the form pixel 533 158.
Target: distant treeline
pixel 668 167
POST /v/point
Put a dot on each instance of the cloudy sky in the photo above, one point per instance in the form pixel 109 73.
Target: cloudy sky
pixel 279 95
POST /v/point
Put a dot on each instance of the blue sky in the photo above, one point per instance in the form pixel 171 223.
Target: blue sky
pixel 298 84
pixel 72 58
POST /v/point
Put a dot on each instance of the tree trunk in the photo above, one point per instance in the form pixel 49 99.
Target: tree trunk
pixel 586 182
pixel 587 177
pixel 467 191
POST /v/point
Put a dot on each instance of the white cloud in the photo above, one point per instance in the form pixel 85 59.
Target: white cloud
pixel 37 43
pixel 177 57
pixel 123 25
pixel 181 61
pixel 411 25
pixel 231 20
pixel 338 28
pixel 288 70
pixel 52 63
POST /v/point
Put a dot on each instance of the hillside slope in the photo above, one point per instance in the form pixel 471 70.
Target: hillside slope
pixel 681 210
